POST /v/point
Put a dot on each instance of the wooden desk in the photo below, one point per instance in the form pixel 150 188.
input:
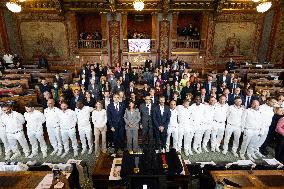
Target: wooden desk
pixel 13 90
pixel 23 82
pixel 100 175
pixel 17 76
pixel 22 179
pixel 252 179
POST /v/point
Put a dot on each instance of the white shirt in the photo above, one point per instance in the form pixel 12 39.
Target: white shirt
pixel 266 115
pixel 149 108
pixel 173 118
pixel 183 115
pixel 34 120
pixel 234 115
pixel 84 115
pixel 67 119
pixel 162 109
pixel 8 58
pixel 52 116
pixel 197 113
pixel 13 122
pixel 107 102
pixel 251 119
pixel 99 118
pixel 209 114
pixel 220 114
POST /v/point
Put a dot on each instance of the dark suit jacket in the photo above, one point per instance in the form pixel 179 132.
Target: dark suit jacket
pixel 146 119
pixel 95 90
pixel 232 98
pixel 73 101
pixel 161 120
pixel 116 89
pixel 220 80
pixel 231 85
pixel 253 97
pixel 206 86
pixel 115 118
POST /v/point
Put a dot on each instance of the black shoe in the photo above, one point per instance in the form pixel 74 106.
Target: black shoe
pixel 264 152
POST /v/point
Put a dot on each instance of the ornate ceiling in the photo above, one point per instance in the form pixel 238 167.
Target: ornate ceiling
pixel 126 5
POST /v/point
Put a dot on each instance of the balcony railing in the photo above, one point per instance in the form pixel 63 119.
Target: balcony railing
pixel 91 44
pixel 188 44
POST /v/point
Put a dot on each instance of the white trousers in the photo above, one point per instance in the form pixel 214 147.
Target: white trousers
pixel 188 136
pixel 249 141
pixel 66 134
pixel 34 138
pixel 261 138
pixel 198 135
pixel 3 138
pixel 181 132
pixel 15 138
pixel 54 137
pixel 85 132
pixel 174 132
pixel 217 134
pixel 207 134
pixel 236 131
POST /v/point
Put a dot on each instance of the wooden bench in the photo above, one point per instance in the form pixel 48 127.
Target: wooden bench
pixel 23 82
pixel 21 101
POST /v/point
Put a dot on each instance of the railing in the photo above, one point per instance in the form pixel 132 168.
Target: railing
pixel 91 44
pixel 188 44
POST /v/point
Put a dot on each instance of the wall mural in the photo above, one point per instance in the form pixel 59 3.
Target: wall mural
pixel 234 39
pixel 44 38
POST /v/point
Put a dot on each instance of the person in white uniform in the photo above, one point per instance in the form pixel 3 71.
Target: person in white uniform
pixel 173 126
pixel 84 126
pixel 234 126
pixel 208 121
pixel 13 122
pixel 251 124
pixel 184 129
pixel 99 119
pixel 3 138
pixel 67 122
pixel 197 119
pixel 219 119
pixel 35 119
pixel 51 114
pixel 267 113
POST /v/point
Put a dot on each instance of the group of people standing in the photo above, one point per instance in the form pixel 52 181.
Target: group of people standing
pixel 172 107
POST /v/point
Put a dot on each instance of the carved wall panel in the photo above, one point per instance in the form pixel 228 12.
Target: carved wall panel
pixel 44 38
pixel 2 50
pixel 114 41
pixel 164 39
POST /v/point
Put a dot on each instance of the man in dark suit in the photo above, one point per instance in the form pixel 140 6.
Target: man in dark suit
pixel 185 90
pixel 131 89
pixel 161 119
pixel 224 78
pixel 230 65
pixel 153 97
pixel 209 84
pixel 146 110
pixel 94 89
pixel 204 97
pixel 77 97
pixel 115 114
pixel 44 86
pixel 248 99
pixel 235 84
pixel 237 93
pixel 118 87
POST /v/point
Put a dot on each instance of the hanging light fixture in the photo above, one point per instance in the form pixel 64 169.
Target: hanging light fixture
pixel 138 5
pixel 256 1
pixel 14 6
pixel 263 6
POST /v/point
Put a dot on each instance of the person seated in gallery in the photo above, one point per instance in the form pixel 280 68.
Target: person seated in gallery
pixel 42 62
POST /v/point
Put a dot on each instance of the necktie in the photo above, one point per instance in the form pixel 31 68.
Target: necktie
pixel 149 110
pixel 248 101
pixel 116 107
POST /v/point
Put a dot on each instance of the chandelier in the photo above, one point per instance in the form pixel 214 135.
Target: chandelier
pixel 14 6
pixel 138 5
pixel 256 1
pixel 263 7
